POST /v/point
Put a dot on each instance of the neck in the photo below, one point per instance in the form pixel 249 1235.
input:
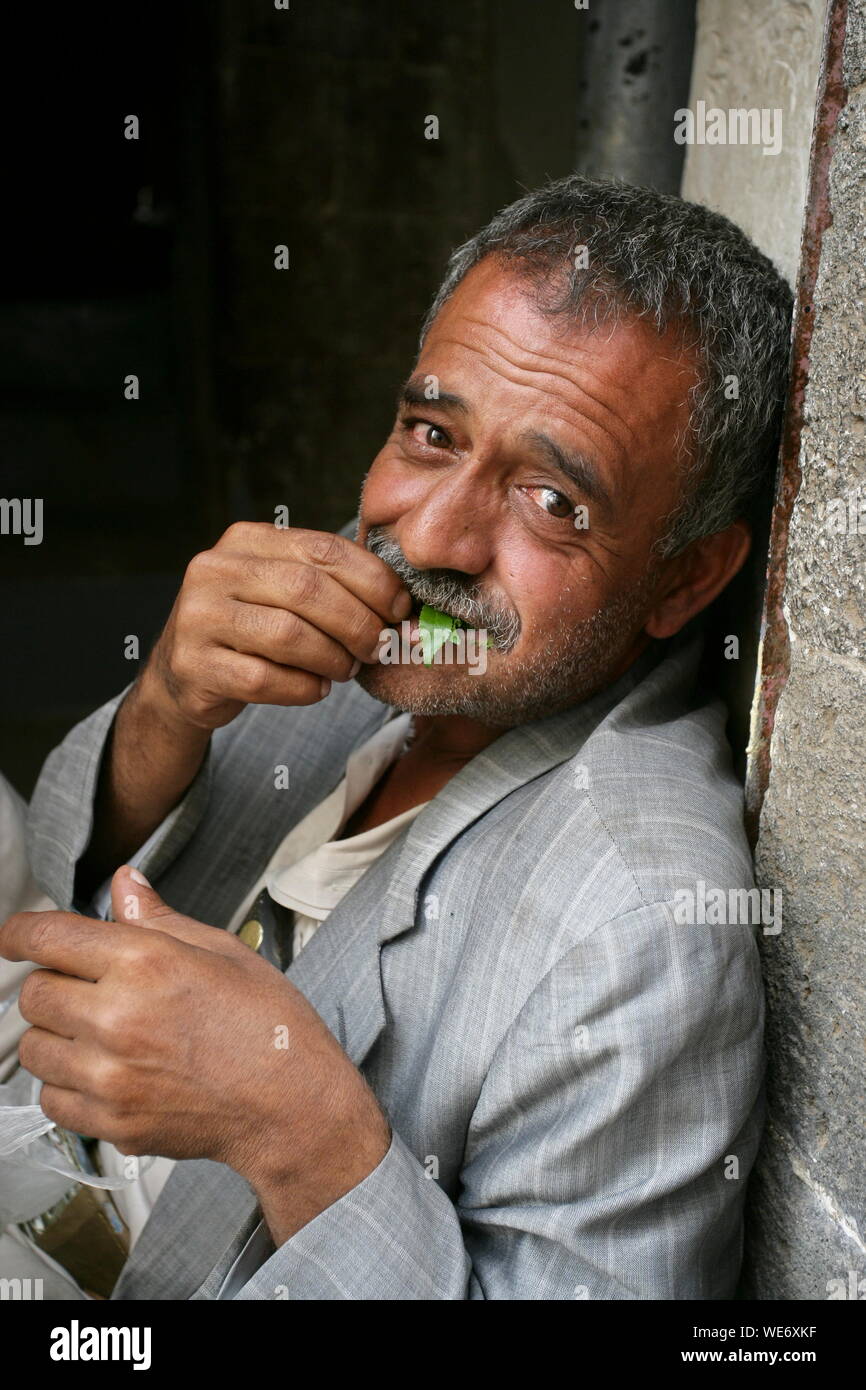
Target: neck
pixel 451 738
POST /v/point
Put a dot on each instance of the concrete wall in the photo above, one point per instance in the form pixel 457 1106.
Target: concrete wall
pixel 808 1200
pixel 757 53
pixel 805 1217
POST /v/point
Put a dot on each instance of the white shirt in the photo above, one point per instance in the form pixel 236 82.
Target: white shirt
pixel 310 871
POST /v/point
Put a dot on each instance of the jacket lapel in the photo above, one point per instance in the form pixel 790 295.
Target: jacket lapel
pixel 339 969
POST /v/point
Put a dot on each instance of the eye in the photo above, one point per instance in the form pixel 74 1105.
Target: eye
pixel 435 437
pixel 426 433
pixel 555 504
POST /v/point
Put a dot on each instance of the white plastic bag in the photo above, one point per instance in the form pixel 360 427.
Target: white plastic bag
pixel 33 1174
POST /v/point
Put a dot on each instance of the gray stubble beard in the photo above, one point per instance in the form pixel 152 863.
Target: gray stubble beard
pixel 577 660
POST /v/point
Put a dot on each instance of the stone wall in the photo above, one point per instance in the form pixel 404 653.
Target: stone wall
pixel 808 1198
pixel 805 1216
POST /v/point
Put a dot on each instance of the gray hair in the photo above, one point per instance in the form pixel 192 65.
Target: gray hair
pixel 653 255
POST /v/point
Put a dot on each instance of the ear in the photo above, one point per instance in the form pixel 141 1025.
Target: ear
pixel 696 576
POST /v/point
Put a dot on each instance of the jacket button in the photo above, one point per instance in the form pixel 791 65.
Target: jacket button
pixel 252 934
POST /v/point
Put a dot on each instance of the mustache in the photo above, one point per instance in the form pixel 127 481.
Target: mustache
pixel 449 591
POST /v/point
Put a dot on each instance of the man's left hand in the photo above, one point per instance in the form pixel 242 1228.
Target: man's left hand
pixel 166 1036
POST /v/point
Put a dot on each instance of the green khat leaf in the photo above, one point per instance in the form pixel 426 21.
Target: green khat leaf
pixel 436 629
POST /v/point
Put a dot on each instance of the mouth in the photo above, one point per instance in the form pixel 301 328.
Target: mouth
pixel 414 620
pixel 434 628
pixel 428 626
pixel 418 607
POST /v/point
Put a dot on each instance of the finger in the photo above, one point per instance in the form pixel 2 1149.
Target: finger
pixel 80 1113
pixel 288 639
pixel 303 592
pixel 254 680
pixel 352 565
pixel 57 1061
pixel 134 899
pixel 141 905
pixel 60 1004
pixel 64 941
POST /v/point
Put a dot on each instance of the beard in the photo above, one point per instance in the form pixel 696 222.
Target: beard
pixel 575 660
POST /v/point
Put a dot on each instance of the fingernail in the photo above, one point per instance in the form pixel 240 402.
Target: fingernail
pixel 326 686
pixel 402 604
pixel 356 666
pixel 138 878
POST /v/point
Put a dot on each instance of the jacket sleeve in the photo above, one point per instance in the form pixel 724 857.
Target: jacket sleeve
pixel 60 818
pixel 607 1154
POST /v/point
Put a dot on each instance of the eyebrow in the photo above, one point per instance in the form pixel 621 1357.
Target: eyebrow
pixel 413 393
pixel 575 465
pixel 580 470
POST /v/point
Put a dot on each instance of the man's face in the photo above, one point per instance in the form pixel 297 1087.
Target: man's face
pixel 526 497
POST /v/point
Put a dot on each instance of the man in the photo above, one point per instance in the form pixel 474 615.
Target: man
pixel 499 1064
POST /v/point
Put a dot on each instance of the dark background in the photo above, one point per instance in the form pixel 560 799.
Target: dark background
pixel 155 257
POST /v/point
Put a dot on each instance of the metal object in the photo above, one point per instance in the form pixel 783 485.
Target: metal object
pixel 635 71
pixel 252 934
pixel 268 930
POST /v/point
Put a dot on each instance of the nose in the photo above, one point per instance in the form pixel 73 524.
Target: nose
pixel 450 528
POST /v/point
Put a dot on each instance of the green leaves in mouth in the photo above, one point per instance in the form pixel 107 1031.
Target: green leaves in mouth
pixel 436 629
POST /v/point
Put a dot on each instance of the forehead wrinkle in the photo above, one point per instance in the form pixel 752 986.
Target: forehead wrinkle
pixel 622 446
pixel 685 361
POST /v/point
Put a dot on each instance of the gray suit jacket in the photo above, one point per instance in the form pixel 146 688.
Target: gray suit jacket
pixel 574 1081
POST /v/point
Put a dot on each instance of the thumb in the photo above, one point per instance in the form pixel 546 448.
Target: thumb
pixel 134 900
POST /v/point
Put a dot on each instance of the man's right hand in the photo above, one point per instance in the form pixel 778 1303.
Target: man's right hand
pixel 270 616
pixel 263 618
